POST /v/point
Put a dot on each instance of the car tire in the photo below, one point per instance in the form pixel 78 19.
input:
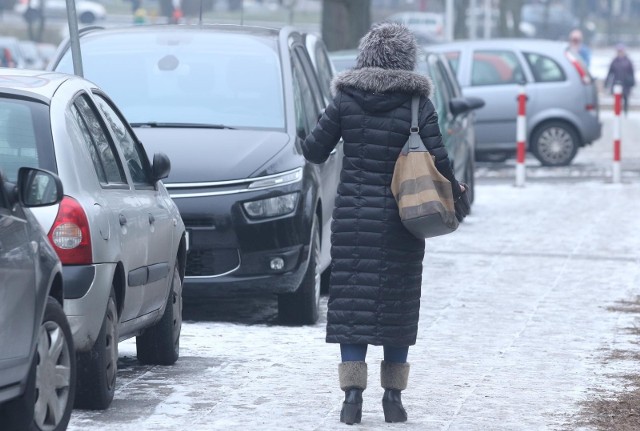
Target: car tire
pixel 302 306
pixel 55 354
pixel 160 344
pixel 87 18
pixel 98 367
pixel 554 143
pixel 19 414
pixel 325 281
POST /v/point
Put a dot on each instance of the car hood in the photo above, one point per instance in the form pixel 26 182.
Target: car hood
pixel 204 155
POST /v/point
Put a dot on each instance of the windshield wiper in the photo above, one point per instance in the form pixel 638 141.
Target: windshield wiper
pixel 182 125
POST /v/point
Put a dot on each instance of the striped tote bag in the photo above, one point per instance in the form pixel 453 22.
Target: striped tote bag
pixel 424 195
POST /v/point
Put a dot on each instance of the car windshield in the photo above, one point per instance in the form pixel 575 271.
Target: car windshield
pixel 25 137
pixel 188 77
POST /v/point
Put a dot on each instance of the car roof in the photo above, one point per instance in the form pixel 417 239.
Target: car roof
pixel 36 84
pixel 217 28
pixel 540 45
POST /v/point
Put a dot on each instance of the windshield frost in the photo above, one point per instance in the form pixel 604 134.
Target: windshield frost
pixel 188 77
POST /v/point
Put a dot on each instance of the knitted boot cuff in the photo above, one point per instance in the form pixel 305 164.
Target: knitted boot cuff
pixel 353 374
pixel 394 375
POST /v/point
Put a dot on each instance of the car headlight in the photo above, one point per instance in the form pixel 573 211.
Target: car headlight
pixel 272 207
pixel 282 179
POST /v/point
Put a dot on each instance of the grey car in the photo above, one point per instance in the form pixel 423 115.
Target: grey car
pixel 562 107
pixel 37 359
pixel 118 234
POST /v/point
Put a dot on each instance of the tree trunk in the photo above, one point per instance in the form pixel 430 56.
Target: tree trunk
pixel 460 27
pixel 344 22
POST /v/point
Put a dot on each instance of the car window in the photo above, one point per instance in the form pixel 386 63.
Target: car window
pixel 188 77
pixel 134 155
pixel 495 68
pixel 3 199
pixel 95 136
pixel 545 69
pixel 308 112
pixel 454 60
pixel 440 97
pixel 323 66
pixel 312 80
pixel 25 137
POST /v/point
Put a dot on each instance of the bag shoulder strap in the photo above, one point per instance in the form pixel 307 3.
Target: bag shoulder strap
pixel 415 107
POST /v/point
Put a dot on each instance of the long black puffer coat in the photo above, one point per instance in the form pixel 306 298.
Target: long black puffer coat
pixel 376 273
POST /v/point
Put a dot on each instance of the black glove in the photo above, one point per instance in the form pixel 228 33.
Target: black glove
pixel 462 204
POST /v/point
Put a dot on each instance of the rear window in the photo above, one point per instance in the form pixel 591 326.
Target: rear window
pixel 495 68
pixel 454 60
pixel 25 137
pixel 544 69
pixel 188 77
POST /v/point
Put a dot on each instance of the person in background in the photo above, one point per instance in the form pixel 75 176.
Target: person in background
pixel 376 263
pixel 621 72
pixel 579 48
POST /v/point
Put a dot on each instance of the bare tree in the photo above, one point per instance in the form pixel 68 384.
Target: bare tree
pixel 513 8
pixel 35 20
pixel 344 22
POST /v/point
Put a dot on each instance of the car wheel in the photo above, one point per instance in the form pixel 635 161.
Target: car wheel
pixel 55 376
pixel 325 281
pixel 98 367
pixel 87 17
pixel 160 344
pixel 301 307
pixel 554 143
pixel 48 399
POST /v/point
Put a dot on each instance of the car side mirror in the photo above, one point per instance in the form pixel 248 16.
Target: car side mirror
pixel 38 188
pixel 161 166
pixel 461 105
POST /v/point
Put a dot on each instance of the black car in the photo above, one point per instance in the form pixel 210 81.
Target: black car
pixel 230 105
pixel 37 357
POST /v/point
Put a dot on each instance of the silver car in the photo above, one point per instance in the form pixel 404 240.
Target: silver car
pixel 562 107
pixel 118 234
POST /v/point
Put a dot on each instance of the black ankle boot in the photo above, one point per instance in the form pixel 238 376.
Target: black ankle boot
pixel 392 406
pixel 352 406
pixel 353 380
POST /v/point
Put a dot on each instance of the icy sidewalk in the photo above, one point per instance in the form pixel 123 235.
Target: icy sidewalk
pixel 515 328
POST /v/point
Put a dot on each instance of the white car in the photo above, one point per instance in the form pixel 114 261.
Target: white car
pixel 88 12
pixel 427 25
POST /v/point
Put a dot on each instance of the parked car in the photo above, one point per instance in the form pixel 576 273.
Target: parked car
pixel 562 106
pixel 37 358
pixel 258 215
pixel 425 25
pixel 88 12
pixel 31 55
pixel 10 55
pixel 117 232
pixel 455 112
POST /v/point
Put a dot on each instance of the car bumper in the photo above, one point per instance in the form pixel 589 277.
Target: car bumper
pixel 86 292
pixel 230 251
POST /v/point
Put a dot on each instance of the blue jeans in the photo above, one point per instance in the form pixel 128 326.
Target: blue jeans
pixel 358 352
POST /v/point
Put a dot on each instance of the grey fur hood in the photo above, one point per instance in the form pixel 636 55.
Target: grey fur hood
pixel 377 80
pixel 385 63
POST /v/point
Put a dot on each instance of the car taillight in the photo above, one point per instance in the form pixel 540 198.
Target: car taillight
pixel 70 235
pixel 584 75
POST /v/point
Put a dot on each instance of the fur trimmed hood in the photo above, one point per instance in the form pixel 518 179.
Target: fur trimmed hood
pixel 388 46
pixel 377 80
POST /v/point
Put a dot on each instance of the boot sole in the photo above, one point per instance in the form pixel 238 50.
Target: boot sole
pixel 351 413
pixel 394 413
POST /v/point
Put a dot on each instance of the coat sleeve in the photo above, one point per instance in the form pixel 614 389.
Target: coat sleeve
pixel 432 138
pixel 325 136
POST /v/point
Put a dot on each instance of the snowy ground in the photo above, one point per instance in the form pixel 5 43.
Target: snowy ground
pixel 518 320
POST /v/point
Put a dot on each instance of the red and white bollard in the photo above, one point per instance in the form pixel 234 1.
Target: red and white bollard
pixel 521 137
pixel 617 108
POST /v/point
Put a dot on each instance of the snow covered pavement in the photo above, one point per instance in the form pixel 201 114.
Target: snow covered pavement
pixel 518 322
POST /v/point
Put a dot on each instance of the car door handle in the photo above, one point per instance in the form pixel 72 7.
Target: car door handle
pixel 152 219
pixel 122 219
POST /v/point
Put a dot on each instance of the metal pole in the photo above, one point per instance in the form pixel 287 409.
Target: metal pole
pixel 617 140
pixel 487 19
pixel 74 38
pixel 449 20
pixel 473 21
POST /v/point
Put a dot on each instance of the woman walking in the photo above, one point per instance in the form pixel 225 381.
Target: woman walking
pixel 376 272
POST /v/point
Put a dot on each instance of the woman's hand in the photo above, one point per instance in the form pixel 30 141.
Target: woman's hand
pixel 462 205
